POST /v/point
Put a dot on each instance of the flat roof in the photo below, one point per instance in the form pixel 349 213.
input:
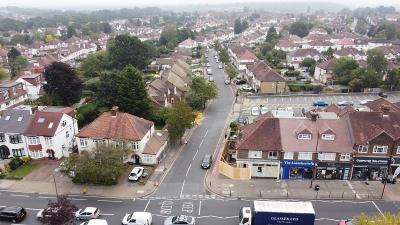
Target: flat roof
pixel 284 206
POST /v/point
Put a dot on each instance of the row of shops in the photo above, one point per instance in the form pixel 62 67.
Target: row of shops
pixel 361 168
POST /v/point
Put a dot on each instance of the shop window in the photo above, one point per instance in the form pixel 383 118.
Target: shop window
pixel 363 149
pixel 326 156
pixel 328 137
pixel 397 151
pixel 304 136
pixel 288 155
pixel 305 156
pixel 345 157
pixel 255 154
pixel 380 149
pixel 272 155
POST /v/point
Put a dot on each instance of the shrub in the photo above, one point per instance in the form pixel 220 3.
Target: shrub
pixel 7 168
pixel 2 174
pixel 25 159
pixel 15 163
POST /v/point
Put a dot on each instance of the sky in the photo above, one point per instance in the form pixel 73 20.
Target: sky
pixel 133 3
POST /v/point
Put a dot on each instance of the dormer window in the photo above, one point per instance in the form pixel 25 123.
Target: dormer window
pixel 304 136
pixel 328 137
pixel 40 120
pixel 50 125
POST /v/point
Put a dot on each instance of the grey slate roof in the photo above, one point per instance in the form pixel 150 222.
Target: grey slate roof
pixel 12 125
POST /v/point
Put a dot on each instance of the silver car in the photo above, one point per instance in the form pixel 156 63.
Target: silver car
pixel 87 213
pixel 181 219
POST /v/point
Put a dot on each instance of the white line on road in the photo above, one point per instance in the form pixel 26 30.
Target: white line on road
pixel 195 154
pixel 50 197
pixel 33 209
pixel 183 185
pixel 15 195
pixel 147 205
pixel 352 189
pixel 200 208
pixel 104 200
pixel 377 208
pixel 106 214
pixel 188 170
pixel 201 143
pixel 78 199
pixel 205 134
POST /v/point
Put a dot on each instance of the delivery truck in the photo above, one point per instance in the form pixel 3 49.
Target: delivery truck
pixel 277 213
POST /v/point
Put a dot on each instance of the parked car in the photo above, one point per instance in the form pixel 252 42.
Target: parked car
pixel 95 222
pixel 210 78
pixel 365 101
pixel 263 110
pixel 43 213
pixel 320 103
pixel 243 119
pixel 382 94
pixel 220 66
pixel 255 111
pixel 208 65
pixel 206 162
pixel 136 173
pixel 345 222
pixel 87 213
pixel 227 82
pixel 209 71
pixel 14 214
pixel 137 218
pixel 182 219
pixel 345 103
pixel 240 82
pixel 246 88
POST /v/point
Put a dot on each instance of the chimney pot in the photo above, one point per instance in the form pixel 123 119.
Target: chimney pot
pixel 114 111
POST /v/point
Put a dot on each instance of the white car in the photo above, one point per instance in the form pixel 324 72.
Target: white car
pixel 220 66
pixel 87 213
pixel 365 101
pixel 95 222
pixel 263 110
pixel 255 111
pixel 246 88
pixel 227 82
pixel 41 214
pixel 137 218
pixel 136 173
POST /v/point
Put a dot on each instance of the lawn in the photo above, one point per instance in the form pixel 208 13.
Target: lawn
pixel 24 170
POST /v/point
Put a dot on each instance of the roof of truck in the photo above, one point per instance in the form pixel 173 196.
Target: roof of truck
pixel 284 207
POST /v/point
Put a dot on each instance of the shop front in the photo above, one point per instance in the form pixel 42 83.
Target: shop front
pixel 296 169
pixel 395 163
pixel 268 169
pixel 369 168
pixel 333 171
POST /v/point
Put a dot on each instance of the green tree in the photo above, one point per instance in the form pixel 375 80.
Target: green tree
pixel 240 25
pixel 309 63
pixel 390 31
pixel 231 71
pixel 343 69
pixel 61 211
pixel 13 53
pixel 102 165
pixel 328 53
pixel 376 60
pixel 217 45
pixel 224 56
pixel 71 31
pixel 86 114
pixel 392 81
pixel 369 77
pixel 272 36
pixel 107 90
pixel 300 28
pixel 361 27
pixel 3 74
pixel 169 36
pixel 265 48
pixel 92 65
pixel 387 219
pixel 17 64
pixel 178 117
pixel 202 91
pixel 106 28
pixel 124 50
pixel 185 33
pixel 63 85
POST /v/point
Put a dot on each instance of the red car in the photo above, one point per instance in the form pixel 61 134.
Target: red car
pixel 345 222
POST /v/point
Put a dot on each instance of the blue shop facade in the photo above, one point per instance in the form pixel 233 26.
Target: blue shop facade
pixel 296 169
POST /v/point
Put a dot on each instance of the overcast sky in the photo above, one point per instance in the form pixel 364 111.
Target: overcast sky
pixel 132 3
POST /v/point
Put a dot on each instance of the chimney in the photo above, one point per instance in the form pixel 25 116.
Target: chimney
pixel 114 111
pixel 314 116
pixel 385 108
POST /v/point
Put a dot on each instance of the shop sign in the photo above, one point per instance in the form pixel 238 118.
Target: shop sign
pixel 395 161
pixel 371 161
pixel 333 164
pixel 299 163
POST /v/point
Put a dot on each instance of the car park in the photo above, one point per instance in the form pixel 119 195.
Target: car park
pixel 182 219
pixel 320 103
pixel 365 101
pixel 12 213
pixel 345 103
pixel 136 173
pixel 206 161
pixel 87 213
pixel 137 218
pixel 95 222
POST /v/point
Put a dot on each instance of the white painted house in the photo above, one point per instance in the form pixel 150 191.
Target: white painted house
pixel 32 84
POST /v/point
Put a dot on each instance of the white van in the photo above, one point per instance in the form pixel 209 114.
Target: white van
pixel 209 71
pixel 255 111
pixel 137 218
pixel 95 222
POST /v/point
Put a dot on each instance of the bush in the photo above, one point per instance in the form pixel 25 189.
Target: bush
pixel 2 174
pixel 86 114
pixel 15 163
pixel 25 159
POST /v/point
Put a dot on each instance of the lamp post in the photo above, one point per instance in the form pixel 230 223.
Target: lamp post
pixel 385 177
pixel 55 185
pixel 314 116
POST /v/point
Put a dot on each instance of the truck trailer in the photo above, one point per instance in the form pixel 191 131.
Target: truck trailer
pixel 277 213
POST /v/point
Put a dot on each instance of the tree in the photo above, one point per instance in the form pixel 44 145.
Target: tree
pixel 392 80
pixel 231 71
pixel 390 31
pixel 387 219
pixel 300 28
pixel 343 69
pixel 17 64
pixel 106 28
pixel 126 89
pixel 178 117
pixel 361 27
pixel 124 50
pixel 369 77
pixel 13 53
pixel 272 36
pixel 185 33
pixel 217 45
pixel 169 36
pixel 3 74
pixel 328 53
pixel 240 25
pixel 224 56
pixel 70 31
pixel 376 60
pixel 92 65
pixel 265 48
pixel 310 64
pixel 102 165
pixel 202 91
pixel 63 85
pixel 60 212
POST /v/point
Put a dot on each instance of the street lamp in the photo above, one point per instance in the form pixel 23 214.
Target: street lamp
pixel 314 116
pixel 55 185
pixel 385 178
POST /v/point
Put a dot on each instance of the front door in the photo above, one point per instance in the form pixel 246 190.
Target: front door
pixel 137 159
pixel 4 152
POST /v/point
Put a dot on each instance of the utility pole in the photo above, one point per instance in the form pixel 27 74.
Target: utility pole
pixel 314 117
pixel 55 185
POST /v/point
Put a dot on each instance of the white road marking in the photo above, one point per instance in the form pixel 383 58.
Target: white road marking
pixel 205 134
pixel 147 205
pixel 104 200
pixel 329 219
pixel 16 195
pixel 106 214
pixel 201 143
pixel 377 208
pixel 50 197
pixel 217 217
pixel 352 189
pixel 33 209
pixel 78 199
pixel 200 208
pixel 188 170
pixel 183 185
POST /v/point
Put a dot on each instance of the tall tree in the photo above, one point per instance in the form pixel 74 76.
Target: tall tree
pixel 13 53
pixel 93 64
pixel 392 80
pixel 63 85
pixel 240 25
pixel 376 60
pixel 343 69
pixel 272 36
pixel 106 28
pixel 60 212
pixel 17 64
pixel 3 74
pixel 300 28
pixel 231 71
pixel 107 91
pixel 169 36
pixel 71 31
pixel 202 91
pixel 178 117
pixel 224 56
pixel 217 45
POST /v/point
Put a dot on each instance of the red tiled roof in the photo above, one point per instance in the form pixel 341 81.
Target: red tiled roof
pixel 377 104
pixel 264 73
pixel 40 123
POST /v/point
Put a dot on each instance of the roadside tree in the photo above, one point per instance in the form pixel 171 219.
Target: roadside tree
pixel 200 92
pixel 300 28
pixel 178 118
pixel 223 56
pixel 59 212
pixel 92 65
pixel 343 69
pixel 231 71
pixel 387 219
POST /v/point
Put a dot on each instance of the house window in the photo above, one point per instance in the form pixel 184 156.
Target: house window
pixel 398 150
pixel 118 144
pixel 2 137
pixel 362 148
pixel 98 142
pixel 255 154
pixel 135 145
pixel 67 134
pixel 37 154
pixel 48 140
pixel 326 156
pixel 34 140
pixel 345 157
pixel 380 149
pixel 328 137
pixel 304 136
pixel 83 142
pixel 18 152
pixel 288 155
pixel 272 155
pixel 305 156
pixel 15 139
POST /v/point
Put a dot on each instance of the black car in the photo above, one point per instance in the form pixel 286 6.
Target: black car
pixel 13 213
pixel 240 82
pixel 206 162
pixel 382 94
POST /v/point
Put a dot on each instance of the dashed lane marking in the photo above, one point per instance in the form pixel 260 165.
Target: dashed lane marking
pixel 104 200
pixel 18 195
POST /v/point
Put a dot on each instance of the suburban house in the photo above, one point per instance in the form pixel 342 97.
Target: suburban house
pixel 265 80
pixel 162 93
pixel 350 52
pixel 11 93
pixel 319 45
pixel 296 57
pixel 177 78
pixel 124 130
pixel 323 71
pixel 188 43
pixel 241 57
pixel 390 52
pixel 377 105
pixel 32 83
pixel 287 45
pixel 12 126
pixel 50 133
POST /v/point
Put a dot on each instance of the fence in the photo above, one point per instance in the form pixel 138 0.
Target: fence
pixel 234 173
